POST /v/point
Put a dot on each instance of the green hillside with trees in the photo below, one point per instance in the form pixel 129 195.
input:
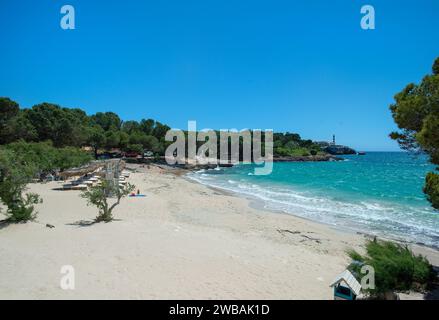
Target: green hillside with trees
pixel 105 131
pixel 73 127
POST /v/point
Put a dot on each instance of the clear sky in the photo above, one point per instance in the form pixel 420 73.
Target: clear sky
pixel 298 66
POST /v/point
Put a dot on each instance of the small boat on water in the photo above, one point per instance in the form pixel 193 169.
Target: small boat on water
pixel 361 153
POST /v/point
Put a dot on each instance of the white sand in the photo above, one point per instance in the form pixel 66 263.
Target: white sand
pixel 182 241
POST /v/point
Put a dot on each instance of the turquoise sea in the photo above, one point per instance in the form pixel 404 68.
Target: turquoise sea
pixel 379 193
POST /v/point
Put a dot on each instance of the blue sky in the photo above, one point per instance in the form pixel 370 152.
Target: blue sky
pixel 298 66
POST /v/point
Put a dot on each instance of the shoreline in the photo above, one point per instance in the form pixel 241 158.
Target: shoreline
pixel 260 204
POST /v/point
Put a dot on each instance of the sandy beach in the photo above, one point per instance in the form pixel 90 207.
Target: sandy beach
pixel 182 241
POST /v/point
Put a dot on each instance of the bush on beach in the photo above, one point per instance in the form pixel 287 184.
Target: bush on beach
pixel 396 267
pixel 46 158
pixel 20 162
pixel 99 195
pixel 14 176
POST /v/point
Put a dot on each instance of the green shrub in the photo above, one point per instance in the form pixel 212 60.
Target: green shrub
pixel 397 268
pixel 22 209
pixel 98 196
pixel 431 189
pixel 138 148
pixel 305 153
pixel 47 158
pixel 20 162
pixel 282 152
pixel 69 157
pixel 14 176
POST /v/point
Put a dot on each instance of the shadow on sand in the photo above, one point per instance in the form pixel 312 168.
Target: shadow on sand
pixel 82 223
pixel 4 223
pixel 88 223
pixel 59 189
